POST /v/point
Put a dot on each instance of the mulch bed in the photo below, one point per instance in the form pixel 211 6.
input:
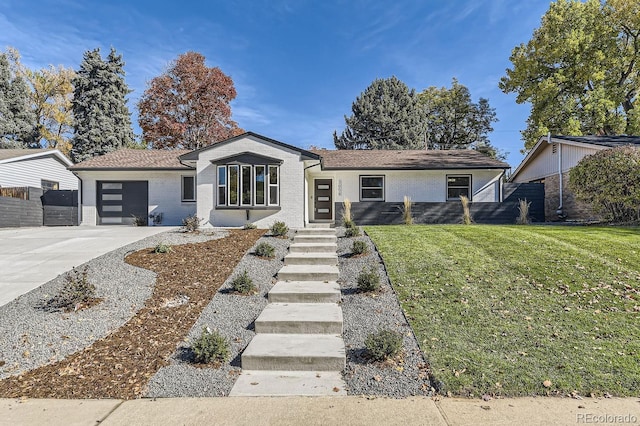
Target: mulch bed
pixel 121 364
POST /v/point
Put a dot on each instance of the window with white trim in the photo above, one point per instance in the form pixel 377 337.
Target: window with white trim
pixel 248 185
pixel 222 185
pixel 274 192
pixel 371 188
pixel 458 185
pixel 188 188
pixel 260 185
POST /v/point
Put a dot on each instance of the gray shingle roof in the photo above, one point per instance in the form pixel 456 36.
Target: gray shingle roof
pixel 610 141
pixel 407 159
pixel 135 159
pixel 6 154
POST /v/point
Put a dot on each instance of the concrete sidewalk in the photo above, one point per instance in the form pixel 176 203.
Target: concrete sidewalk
pixel 29 257
pixel 322 411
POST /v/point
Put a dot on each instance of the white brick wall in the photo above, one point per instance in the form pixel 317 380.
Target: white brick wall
pixel 29 173
pixel 165 193
pixel 291 185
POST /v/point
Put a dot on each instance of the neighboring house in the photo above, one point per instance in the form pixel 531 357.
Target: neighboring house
pixel 252 178
pixel 39 168
pixel 549 162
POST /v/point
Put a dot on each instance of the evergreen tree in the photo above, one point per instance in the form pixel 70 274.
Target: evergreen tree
pixel 102 118
pixel 385 116
pixel 454 121
pixel 17 121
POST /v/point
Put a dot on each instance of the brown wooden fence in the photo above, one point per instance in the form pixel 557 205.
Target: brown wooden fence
pixel 21 193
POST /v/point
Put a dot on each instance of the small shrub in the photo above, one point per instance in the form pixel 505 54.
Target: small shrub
pixel 352 230
pixel 162 248
pixel 249 226
pixel 407 216
pixel 346 213
pixel 523 207
pixel 210 347
pixel 243 284
pixel 369 280
pixel 191 223
pixel 279 229
pixel 77 290
pixel 384 344
pixel 139 220
pixel 359 247
pixel 265 250
pixel 466 213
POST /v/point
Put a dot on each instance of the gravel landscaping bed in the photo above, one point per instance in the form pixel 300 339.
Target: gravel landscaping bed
pixel 366 313
pixel 31 336
pixel 230 314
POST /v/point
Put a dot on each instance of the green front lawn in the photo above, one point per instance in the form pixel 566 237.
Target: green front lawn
pixel 521 310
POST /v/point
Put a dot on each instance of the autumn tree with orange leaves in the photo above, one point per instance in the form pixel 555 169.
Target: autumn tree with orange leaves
pixel 187 107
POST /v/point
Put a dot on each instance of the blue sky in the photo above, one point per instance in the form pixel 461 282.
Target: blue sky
pixel 297 65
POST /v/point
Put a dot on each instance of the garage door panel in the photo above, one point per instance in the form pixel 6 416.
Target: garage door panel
pixel 119 202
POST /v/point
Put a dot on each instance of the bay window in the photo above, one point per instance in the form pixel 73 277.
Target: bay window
pixel 248 185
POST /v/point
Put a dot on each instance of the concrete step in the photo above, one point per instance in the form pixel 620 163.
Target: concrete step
pixel 313 247
pixel 300 318
pixel 305 292
pixel 321 225
pixel 289 383
pixel 316 231
pixel 295 352
pixel 325 239
pixel 311 259
pixel 308 273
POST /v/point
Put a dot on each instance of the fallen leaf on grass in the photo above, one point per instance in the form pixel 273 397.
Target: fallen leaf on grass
pixel 547 383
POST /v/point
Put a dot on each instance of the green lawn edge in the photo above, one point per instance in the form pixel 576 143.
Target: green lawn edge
pixel 520 310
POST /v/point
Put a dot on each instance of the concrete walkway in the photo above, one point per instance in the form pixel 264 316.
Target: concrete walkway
pixel 321 411
pixel 29 257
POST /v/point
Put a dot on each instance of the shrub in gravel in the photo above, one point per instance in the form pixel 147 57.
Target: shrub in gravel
pixel 359 247
pixel 162 248
pixel 368 279
pixel 76 291
pixel 210 347
pixel 139 220
pixel 279 229
pixel 383 344
pixel 265 250
pixel 249 225
pixel 243 284
pixel 191 223
pixel 352 230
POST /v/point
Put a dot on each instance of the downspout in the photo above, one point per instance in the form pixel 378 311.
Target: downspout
pixel 305 202
pixel 79 198
pixel 560 211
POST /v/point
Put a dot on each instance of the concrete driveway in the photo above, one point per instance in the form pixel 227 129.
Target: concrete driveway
pixel 29 257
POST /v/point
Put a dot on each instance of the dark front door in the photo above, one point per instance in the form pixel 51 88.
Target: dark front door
pixel 120 203
pixel 323 203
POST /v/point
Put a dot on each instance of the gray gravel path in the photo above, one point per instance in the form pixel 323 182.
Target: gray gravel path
pixel 366 313
pixel 31 336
